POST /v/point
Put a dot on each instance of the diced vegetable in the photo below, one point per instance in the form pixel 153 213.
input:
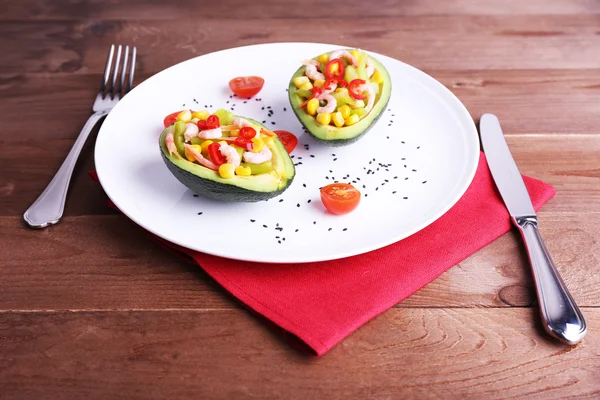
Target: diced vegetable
pixel 323 58
pixel 342 97
pixel 178 131
pixel 324 118
pixel 311 106
pixel 201 114
pixel 351 119
pixel 226 170
pixel 301 80
pixel 258 169
pixel 304 93
pixel 356 54
pixel 225 117
pixel 337 119
pixel 377 77
pixel 184 116
pixel 306 86
pixel 362 65
pixel 243 171
pixel 350 74
pixel 257 145
pixel 344 110
pixel 196 140
pixel 359 111
pixel 357 104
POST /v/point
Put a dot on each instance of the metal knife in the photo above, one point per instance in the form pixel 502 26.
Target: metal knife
pixel 560 315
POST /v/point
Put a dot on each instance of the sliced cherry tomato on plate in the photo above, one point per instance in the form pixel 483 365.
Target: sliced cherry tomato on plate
pixel 246 86
pixel 340 198
pixel 171 119
pixel 354 91
pixel 215 154
pixel 247 132
pixel 330 69
pixel 212 122
pixel 289 140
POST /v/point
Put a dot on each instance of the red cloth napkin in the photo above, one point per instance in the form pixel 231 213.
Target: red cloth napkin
pixel 316 305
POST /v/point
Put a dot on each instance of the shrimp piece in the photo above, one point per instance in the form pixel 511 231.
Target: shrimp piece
pixel 241 122
pixel 329 89
pixel 258 158
pixel 370 68
pixel 170 143
pixel 344 54
pixel 210 133
pixel 331 103
pixel 189 149
pixel 370 95
pixel 191 130
pixel 311 70
pixel 230 154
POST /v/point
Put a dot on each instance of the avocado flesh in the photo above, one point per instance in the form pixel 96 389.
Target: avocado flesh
pixel 208 183
pixel 331 134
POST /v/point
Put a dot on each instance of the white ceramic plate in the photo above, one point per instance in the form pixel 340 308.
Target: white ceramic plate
pixel 422 154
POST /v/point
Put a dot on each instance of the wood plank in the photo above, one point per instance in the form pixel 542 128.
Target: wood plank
pixel 240 9
pixel 410 353
pixel 568 162
pixel 525 100
pixel 106 262
pixel 468 42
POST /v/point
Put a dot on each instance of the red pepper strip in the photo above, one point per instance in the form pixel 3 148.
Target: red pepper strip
pixel 212 122
pixel 353 89
pixel 215 154
pixel 242 142
pixel 330 72
pixel 315 92
pixel 342 82
pixel 247 132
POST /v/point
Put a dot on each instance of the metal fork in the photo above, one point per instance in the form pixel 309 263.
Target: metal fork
pixel 48 208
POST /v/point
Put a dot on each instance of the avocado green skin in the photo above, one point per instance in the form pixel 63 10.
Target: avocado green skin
pixel 348 134
pixel 222 191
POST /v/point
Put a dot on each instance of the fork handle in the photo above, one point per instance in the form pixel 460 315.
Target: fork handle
pixel 560 315
pixel 48 208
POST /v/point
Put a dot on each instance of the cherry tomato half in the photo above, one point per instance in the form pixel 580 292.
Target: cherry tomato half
pixel 247 132
pixel 246 86
pixel 340 198
pixel 212 122
pixel 289 140
pixel 171 119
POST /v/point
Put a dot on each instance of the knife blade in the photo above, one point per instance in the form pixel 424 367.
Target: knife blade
pixel 561 317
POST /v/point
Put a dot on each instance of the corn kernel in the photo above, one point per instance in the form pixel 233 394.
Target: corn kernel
pixel 301 80
pixel 345 110
pixel 311 106
pixel 319 83
pixel 306 86
pixel 226 170
pixel 204 146
pixel 184 116
pixel 352 119
pixel 356 54
pixel 257 145
pixel 337 119
pixel 358 104
pixel 323 58
pixel 201 115
pixel 377 77
pixel 324 118
pixel 243 171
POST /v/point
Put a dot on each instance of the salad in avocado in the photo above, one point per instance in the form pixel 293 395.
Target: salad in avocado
pixel 339 95
pixel 225 157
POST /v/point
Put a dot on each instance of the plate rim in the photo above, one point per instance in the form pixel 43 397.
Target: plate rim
pixel 461 108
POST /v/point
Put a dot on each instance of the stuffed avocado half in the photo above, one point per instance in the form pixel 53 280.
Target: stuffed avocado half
pixel 338 96
pixel 226 157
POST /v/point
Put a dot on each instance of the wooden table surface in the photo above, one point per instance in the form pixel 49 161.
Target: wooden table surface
pixel 92 308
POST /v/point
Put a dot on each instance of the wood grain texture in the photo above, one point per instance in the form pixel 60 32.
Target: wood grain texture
pixel 409 353
pixel 426 42
pixel 569 162
pixel 240 9
pixel 106 262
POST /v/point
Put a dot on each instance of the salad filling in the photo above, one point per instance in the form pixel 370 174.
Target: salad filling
pixel 339 88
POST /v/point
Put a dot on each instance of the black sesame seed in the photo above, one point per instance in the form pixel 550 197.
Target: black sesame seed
pixel 200 213
pixel 279 241
pixel 314 222
pixel 277 224
pixel 394 192
pixel 418 147
pixel 227 102
pixel 284 109
pixel 245 101
pixel 280 200
pixel 304 184
pixel 264 226
pixel 424 182
pixel 300 163
pixel 364 186
pixel 335 159
pixel 272 123
pixel 277 237
pixel 357 178
pixel 366 194
pixel 298 205
pixel 262 108
pixel 395 177
pixel 414 170
pixel 252 220
pixel 405 198
pixel 329 230
pixel 299 158
pixel 264 122
pixel 309 200
pixel 326 177
pixel 296 230
pixel 195 195
pixel 312 156
pixel 283 239
pixel 345 229
pixel 406 178
pixel 377 188
pixel 385 180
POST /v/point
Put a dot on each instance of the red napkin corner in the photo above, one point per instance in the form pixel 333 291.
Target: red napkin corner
pixel 316 305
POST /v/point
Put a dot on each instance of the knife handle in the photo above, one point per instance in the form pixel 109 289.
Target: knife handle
pixel 560 315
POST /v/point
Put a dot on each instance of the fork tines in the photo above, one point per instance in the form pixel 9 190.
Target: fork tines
pixel 120 72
